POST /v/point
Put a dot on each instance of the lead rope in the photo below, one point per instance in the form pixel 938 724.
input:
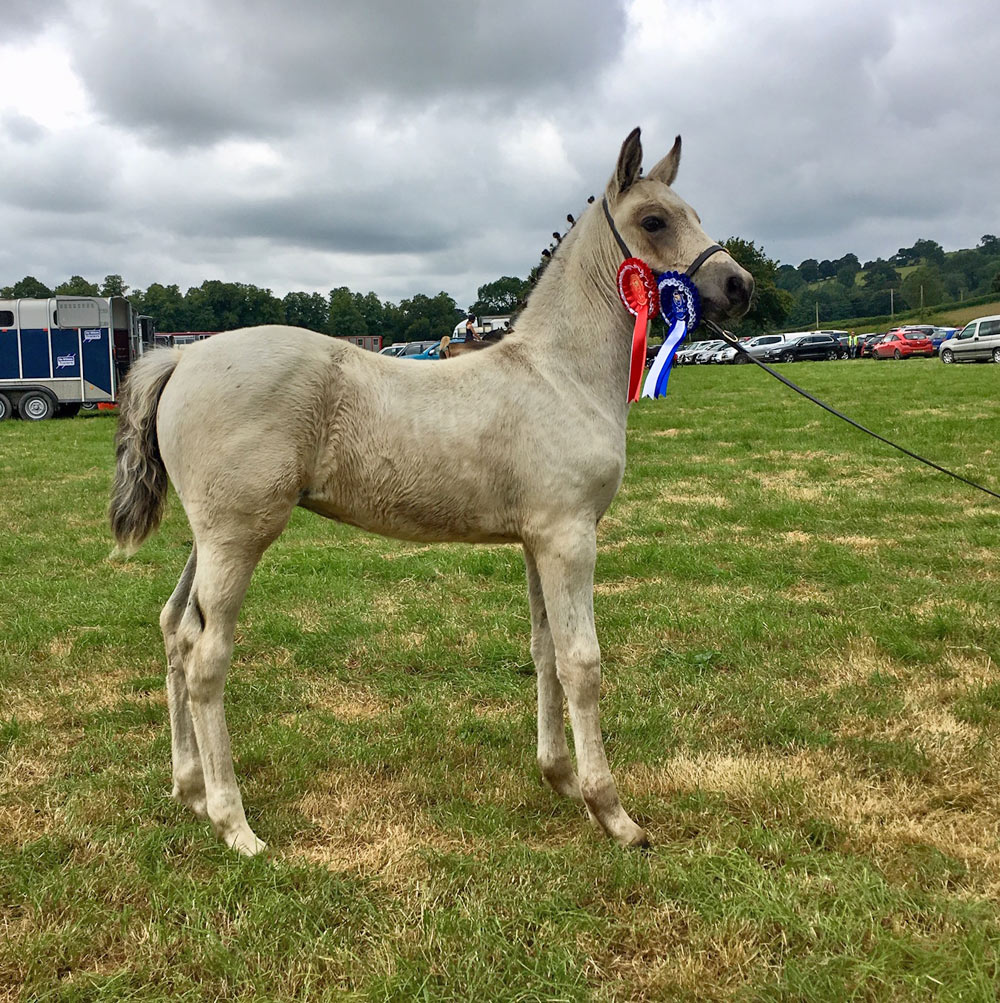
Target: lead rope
pixel 731 339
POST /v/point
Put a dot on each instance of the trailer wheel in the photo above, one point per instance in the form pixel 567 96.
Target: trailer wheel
pixel 35 406
pixel 6 411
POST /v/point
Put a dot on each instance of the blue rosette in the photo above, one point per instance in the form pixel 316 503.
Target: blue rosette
pixel 680 307
pixel 679 300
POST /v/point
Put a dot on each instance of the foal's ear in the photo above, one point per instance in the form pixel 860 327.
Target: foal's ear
pixel 629 165
pixel 666 169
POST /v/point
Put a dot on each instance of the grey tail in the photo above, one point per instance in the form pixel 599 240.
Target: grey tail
pixel 140 484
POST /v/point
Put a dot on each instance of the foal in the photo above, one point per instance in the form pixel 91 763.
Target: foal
pixel 529 448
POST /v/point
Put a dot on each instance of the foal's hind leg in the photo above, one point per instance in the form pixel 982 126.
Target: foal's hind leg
pixel 553 752
pixel 188 778
pixel 226 559
pixel 566 568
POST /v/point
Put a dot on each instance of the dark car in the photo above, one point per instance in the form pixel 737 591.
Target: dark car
pixel 808 346
pixel 869 342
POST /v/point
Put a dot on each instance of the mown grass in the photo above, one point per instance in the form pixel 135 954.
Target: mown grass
pixel 801 701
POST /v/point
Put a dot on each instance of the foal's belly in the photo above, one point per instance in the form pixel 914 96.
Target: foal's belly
pixel 407 512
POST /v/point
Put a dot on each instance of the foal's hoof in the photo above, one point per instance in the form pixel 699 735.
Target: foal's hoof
pixel 639 841
pixel 246 843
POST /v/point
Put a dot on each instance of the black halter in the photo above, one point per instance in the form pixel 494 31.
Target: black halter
pixel 691 269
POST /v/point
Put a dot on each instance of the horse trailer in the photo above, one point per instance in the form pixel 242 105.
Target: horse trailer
pixel 65 352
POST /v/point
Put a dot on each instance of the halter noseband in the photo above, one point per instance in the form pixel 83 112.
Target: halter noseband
pixel 689 271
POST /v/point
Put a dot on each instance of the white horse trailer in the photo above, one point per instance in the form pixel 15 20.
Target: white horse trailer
pixel 64 352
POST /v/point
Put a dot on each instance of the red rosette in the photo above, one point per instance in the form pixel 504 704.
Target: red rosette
pixel 637 287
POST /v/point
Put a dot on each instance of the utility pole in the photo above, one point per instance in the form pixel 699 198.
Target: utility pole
pixel 892 309
pixel 921 297
pixel 817 315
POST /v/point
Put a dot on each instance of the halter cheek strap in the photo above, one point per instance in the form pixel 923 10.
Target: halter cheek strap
pixel 689 271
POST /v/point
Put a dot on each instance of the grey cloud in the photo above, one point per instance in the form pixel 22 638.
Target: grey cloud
pixel 23 18
pixel 193 74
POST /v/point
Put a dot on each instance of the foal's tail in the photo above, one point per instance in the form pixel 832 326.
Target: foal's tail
pixel 140 484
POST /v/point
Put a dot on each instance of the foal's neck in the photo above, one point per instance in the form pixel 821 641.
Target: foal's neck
pixel 574 323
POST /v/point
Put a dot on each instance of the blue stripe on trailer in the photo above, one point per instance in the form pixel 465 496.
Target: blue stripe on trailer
pixel 35 354
pixel 9 369
pixel 65 353
pixel 97 358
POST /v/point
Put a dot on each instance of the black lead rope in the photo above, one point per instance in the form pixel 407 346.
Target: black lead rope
pixel 731 339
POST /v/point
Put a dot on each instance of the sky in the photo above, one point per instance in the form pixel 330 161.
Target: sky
pixel 426 146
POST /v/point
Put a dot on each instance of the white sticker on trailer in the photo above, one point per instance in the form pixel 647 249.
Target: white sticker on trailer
pixel 92 335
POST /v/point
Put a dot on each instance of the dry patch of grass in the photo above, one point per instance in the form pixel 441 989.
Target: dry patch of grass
pixel 793 484
pixel 882 816
pixel 368 828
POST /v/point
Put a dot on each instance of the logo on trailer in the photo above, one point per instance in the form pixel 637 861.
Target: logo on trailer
pixel 65 361
pixel 94 334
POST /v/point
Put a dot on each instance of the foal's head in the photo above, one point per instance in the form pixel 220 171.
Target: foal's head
pixel 662 229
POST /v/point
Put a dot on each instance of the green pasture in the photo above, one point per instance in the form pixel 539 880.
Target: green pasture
pixel 801 703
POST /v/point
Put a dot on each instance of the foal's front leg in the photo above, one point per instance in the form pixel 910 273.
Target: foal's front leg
pixel 566 568
pixel 553 752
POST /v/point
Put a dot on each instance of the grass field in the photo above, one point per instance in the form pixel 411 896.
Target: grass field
pixel 801 702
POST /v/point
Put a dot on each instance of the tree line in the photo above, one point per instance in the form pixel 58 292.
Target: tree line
pixel 847 288
pixel 223 306
pixel 785 296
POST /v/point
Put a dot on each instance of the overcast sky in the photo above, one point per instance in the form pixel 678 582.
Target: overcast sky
pixel 408 147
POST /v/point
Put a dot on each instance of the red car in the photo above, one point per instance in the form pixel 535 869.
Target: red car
pixel 901 344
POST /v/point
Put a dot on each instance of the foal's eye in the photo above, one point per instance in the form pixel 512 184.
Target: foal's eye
pixel 652 223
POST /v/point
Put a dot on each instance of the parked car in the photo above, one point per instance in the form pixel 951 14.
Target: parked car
pixel 805 346
pixel 869 343
pixel 705 350
pixel 414 348
pixel 978 341
pixel 942 334
pixel 684 356
pixel 393 349
pixel 432 352
pixel 902 344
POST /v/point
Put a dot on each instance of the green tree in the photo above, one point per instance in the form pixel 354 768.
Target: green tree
pixel 77 285
pixel 225 306
pixel 880 274
pixel 27 288
pixel 928 250
pixel 165 304
pixel 500 296
pixel 989 244
pixel 308 310
pixel 845 276
pixel 926 282
pixel 770 305
pixel 788 278
pixel 809 270
pixel 344 318
pixel 440 312
pixel 113 285
pixel 372 311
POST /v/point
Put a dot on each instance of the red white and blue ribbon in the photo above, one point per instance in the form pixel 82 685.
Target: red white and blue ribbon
pixel 638 291
pixel 680 306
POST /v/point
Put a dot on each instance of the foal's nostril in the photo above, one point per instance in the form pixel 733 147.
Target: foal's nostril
pixel 737 290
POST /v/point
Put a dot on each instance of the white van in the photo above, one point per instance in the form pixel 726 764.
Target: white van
pixel 978 341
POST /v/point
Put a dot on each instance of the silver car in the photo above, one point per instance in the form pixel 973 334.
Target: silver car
pixel 755 346
pixel 705 350
pixel 978 341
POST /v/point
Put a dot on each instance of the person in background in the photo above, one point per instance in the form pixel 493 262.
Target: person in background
pixel 444 349
pixel 471 334
pixel 852 345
